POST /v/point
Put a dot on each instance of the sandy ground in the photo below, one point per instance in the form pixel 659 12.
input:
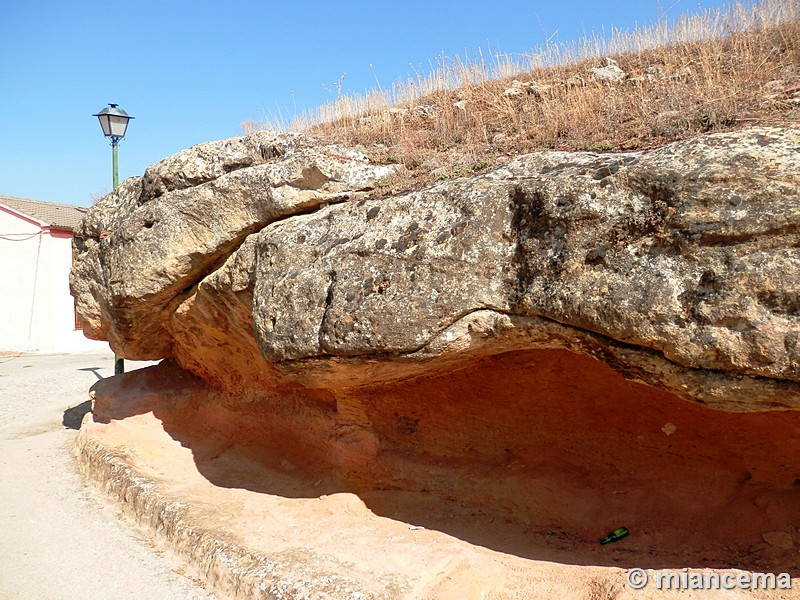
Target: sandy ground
pixel 261 528
pixel 59 540
pixel 255 532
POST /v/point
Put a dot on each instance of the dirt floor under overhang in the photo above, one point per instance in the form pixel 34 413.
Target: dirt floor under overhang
pixel 500 477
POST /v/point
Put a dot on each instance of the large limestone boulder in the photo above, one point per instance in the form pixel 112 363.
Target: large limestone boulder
pixel 142 248
pixel 524 359
pixel 266 255
pixel 684 256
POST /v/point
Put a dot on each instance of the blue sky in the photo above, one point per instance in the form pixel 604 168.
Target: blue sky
pixel 193 71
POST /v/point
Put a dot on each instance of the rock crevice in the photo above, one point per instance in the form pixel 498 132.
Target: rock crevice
pixel 187 215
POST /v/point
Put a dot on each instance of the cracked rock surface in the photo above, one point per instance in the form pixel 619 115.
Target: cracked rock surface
pixel 144 246
pixel 680 263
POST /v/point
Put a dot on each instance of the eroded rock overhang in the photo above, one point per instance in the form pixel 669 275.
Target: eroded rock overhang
pixel 268 258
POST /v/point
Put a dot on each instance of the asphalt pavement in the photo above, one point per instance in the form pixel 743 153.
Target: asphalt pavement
pixel 59 540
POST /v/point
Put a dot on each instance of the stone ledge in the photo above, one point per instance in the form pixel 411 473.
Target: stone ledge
pixel 223 564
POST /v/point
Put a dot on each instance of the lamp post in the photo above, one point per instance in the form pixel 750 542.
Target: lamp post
pixel 114 122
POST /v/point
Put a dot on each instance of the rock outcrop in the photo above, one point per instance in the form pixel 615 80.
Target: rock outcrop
pixel 148 243
pixel 566 343
pixel 678 266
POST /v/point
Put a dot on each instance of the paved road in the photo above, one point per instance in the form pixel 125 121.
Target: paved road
pixel 58 541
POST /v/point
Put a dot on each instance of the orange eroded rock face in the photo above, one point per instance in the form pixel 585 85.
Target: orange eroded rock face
pixel 532 453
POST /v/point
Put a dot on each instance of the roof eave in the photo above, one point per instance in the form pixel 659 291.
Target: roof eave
pixel 26 217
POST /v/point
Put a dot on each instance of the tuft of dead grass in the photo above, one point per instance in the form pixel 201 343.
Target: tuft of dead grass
pixel 631 90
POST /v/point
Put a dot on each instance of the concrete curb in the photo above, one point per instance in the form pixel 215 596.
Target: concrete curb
pixel 226 566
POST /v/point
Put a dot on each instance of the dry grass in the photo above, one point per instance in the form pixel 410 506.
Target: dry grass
pixel 710 72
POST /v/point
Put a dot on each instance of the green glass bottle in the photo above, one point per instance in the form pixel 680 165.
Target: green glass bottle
pixel 615 536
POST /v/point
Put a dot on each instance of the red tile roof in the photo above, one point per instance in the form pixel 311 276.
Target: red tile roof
pixel 58 216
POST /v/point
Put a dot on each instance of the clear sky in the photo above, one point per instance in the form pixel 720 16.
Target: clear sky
pixel 191 71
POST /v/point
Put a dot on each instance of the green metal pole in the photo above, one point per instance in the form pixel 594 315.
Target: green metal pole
pixel 119 362
pixel 115 161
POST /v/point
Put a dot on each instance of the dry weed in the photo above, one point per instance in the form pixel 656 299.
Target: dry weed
pixel 632 90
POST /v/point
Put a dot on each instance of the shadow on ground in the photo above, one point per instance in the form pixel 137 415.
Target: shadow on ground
pixel 73 417
pixel 95 370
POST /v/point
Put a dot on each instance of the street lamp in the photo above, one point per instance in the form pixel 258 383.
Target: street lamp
pixel 114 122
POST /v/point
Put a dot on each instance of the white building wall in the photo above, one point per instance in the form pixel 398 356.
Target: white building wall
pixel 36 308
